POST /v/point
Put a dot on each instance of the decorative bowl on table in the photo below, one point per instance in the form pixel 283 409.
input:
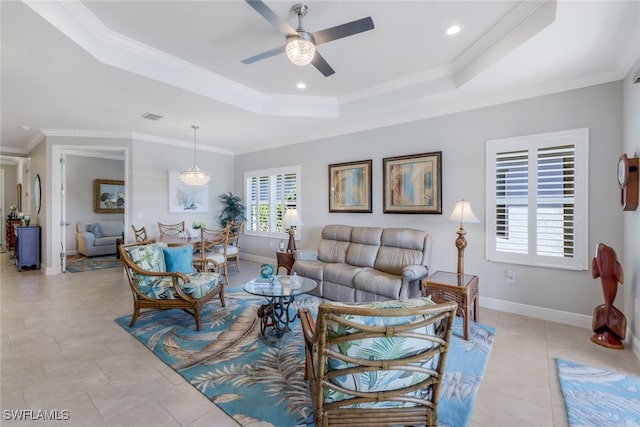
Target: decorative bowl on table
pixel 267 270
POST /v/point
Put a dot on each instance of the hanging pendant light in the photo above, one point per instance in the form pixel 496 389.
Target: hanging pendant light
pixel 194 175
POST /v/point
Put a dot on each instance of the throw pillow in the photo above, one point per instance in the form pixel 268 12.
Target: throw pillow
pixel 96 229
pixel 179 259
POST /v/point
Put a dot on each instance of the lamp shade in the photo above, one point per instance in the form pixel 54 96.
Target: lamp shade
pixel 462 213
pixel 291 218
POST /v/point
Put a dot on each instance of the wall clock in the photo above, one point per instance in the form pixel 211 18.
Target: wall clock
pixel 628 182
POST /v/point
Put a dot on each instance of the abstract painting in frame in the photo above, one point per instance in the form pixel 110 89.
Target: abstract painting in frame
pixel 108 196
pixel 185 198
pixel 413 184
pixel 350 187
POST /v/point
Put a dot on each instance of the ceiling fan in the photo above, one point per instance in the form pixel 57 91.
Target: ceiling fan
pixel 300 44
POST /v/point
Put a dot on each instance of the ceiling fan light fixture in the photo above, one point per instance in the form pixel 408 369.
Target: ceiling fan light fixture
pixel 300 49
pixel 194 175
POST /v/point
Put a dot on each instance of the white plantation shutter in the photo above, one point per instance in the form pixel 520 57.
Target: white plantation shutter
pixel 537 199
pixel 268 193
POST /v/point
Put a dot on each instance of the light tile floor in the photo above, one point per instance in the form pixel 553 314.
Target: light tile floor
pixel 61 350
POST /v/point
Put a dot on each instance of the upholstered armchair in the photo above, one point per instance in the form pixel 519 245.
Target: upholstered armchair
pixel 162 277
pixel 379 363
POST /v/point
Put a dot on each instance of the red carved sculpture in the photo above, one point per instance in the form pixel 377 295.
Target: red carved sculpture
pixel 609 324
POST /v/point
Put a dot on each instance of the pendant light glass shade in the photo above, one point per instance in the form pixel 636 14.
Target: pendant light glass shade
pixel 194 175
pixel 299 50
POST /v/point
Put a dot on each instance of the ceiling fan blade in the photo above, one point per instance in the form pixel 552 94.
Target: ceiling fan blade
pixel 321 65
pixel 271 16
pixel 344 30
pixel 264 55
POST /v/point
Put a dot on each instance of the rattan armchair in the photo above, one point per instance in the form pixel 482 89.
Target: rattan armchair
pixel 140 233
pixel 153 287
pixel 171 229
pixel 377 364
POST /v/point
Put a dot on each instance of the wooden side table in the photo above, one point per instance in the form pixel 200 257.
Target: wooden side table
pixel 285 260
pixel 461 288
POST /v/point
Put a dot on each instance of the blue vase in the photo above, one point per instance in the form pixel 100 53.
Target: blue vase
pixel 267 270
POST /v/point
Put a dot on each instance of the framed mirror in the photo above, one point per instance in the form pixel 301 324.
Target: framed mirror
pixel 37 193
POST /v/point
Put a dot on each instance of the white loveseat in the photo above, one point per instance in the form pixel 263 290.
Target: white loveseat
pixel 361 264
pixel 99 240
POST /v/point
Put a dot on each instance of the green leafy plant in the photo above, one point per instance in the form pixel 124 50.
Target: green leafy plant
pixel 198 224
pixel 232 209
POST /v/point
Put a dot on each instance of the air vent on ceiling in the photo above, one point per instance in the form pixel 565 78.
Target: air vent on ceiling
pixel 151 116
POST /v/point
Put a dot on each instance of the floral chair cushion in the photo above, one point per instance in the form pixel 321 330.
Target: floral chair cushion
pixel 379 348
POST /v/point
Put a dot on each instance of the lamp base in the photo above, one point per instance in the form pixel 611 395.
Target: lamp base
pixel 291 246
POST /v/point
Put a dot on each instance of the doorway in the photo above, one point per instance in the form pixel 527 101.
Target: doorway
pixel 59 224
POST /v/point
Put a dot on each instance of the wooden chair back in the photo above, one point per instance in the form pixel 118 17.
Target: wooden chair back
pixel 373 365
pixel 171 229
pixel 212 253
pixel 233 252
pixel 140 233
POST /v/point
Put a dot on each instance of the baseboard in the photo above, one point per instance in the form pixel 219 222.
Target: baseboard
pixel 257 258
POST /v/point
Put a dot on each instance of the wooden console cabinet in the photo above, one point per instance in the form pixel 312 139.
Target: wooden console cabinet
pixel 27 252
pixel 11 237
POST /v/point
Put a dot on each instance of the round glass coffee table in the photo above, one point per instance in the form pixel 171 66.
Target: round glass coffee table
pixel 279 294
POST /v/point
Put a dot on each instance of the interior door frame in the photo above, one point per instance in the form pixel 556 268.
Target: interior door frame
pixel 54 197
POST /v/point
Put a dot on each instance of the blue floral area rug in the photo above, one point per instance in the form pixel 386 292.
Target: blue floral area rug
pixel 96 263
pixel 597 397
pixel 230 362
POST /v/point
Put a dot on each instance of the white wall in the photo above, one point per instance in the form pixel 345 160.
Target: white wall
pixel 80 172
pixel 461 138
pixel 631 220
pixel 151 163
pixel 10 197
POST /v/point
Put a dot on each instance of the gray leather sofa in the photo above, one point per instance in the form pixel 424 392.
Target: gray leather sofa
pixel 102 243
pixel 358 264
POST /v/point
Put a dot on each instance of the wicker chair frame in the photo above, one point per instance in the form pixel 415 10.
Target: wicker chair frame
pixel 424 410
pixel 140 233
pixel 236 230
pixel 182 301
pixel 171 229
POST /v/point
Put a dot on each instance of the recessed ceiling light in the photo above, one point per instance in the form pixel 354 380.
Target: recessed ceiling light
pixel 24 127
pixel 301 85
pixel 454 29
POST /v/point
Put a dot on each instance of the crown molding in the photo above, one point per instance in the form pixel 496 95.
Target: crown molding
pixel 132 136
pixel 109 47
pixel 78 23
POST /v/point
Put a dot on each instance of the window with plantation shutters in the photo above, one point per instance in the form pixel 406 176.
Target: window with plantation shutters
pixel 268 193
pixel 537 190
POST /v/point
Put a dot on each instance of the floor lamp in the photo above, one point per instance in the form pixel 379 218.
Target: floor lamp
pixel 291 220
pixel 462 213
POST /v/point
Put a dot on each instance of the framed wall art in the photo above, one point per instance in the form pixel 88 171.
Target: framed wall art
pixel 108 196
pixel 350 187
pixel 185 198
pixel 413 184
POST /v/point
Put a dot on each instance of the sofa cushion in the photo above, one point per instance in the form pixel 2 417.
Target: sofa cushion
pixel 334 243
pixel 365 242
pixel 312 269
pixel 378 283
pixel 179 259
pixel 105 241
pixel 341 273
pixel 400 247
pixel 378 348
pixel 112 228
pixel 96 230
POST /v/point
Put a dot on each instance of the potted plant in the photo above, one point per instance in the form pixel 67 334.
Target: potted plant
pixel 232 209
